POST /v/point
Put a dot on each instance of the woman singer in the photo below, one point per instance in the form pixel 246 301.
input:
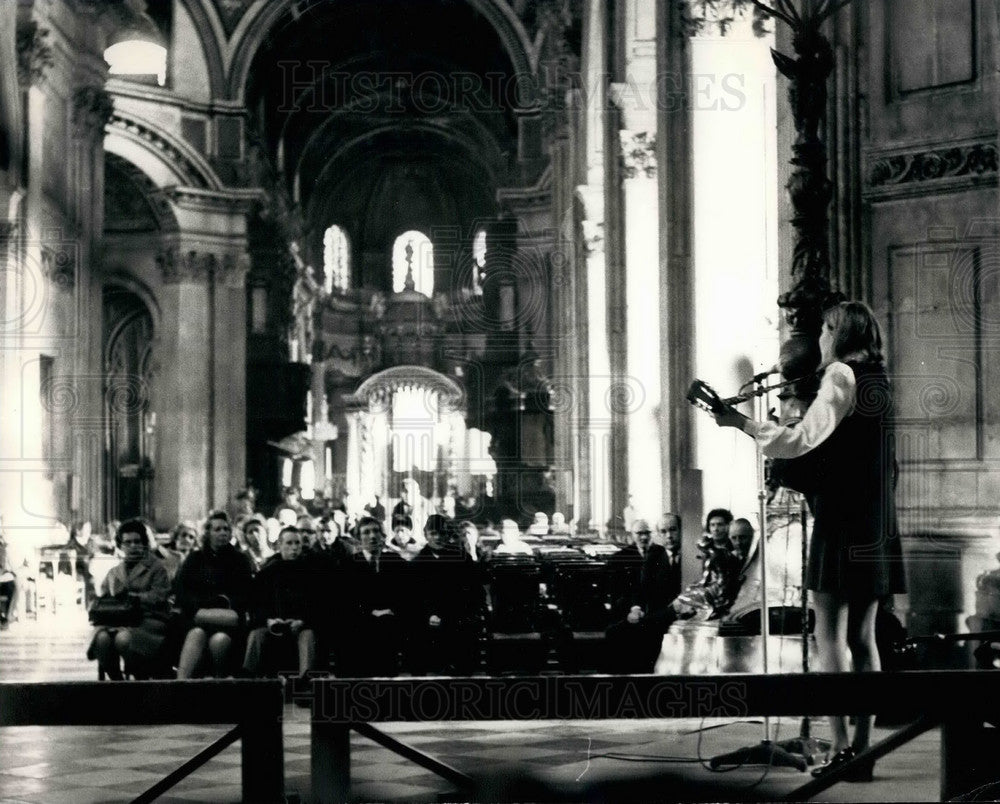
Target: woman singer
pixel 846 444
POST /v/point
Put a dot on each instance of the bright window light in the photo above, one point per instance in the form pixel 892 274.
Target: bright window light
pixel 419 257
pixel 137 57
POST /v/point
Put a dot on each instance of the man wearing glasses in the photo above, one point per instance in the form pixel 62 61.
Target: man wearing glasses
pixel 649 578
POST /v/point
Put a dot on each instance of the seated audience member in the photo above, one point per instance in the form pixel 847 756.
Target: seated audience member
pixel 333 544
pixel 441 635
pixel 741 534
pixel 212 590
pixel 403 541
pixel 290 508
pixel 511 542
pixel 647 575
pixel 716 535
pixel 306 527
pixel 140 576
pixel 184 538
pixel 468 541
pixel 559 525
pixel 371 637
pixel 163 550
pixel 8 585
pixel 540 525
pixel 251 538
pixel 714 593
pixel 283 605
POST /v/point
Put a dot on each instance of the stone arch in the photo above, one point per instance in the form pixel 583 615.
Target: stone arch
pixel 140 290
pixel 164 158
pixel 212 37
pixel 261 18
pixel 128 363
pixel 377 387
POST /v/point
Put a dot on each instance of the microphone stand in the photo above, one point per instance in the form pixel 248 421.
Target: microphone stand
pixel 766 752
pixel 805 744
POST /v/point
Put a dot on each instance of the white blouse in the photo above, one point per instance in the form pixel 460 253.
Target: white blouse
pixel 832 405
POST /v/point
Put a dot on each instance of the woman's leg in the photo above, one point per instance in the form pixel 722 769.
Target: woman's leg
pixel 191 652
pixel 122 640
pixel 107 658
pixel 864 657
pixel 307 650
pixel 218 646
pixel 831 644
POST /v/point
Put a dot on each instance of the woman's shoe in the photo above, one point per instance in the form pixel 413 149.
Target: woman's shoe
pixel 861 772
pixel 835 761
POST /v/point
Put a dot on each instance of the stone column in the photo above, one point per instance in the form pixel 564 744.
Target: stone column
pixel 91 109
pixel 202 389
pixel 641 390
pixel 597 394
pixel 352 480
pixel 681 481
pixel 230 360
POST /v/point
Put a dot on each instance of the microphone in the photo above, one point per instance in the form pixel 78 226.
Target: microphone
pixel 775 369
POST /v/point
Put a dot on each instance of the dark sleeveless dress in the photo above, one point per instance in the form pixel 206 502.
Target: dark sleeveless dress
pixel 854 549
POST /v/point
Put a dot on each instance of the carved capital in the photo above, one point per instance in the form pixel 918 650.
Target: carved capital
pixel 593 236
pixel 234 269
pixel 185 266
pixel 92 109
pixel 59 266
pixel 34 54
pixel 638 154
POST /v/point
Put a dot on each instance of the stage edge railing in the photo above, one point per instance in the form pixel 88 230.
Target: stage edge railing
pixel 959 701
pixel 255 707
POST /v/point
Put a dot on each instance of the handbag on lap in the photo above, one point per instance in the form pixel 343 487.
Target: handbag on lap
pixel 218 617
pixel 115 612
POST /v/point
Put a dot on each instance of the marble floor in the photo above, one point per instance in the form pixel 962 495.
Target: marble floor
pixel 56 765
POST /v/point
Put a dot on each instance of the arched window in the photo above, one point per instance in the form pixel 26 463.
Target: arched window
pixel 336 260
pixel 413 253
pixel 479 260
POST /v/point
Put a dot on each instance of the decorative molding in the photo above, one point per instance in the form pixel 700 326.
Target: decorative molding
pixel 92 109
pixel 189 266
pixel 229 201
pixel 638 154
pixel 525 199
pixel 59 266
pixel 955 161
pixel 228 269
pixel 193 174
pixel 34 53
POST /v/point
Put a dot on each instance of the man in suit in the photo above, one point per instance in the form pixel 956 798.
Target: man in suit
pixel 647 574
pixel 372 646
pixel 284 605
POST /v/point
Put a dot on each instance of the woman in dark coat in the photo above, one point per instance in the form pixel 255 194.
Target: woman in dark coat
pixel 845 446
pixel 211 579
pixel 142 576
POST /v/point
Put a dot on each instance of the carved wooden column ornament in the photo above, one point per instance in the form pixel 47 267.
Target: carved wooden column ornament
pixel 34 53
pixel 809 187
pixel 92 109
pixel 638 154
